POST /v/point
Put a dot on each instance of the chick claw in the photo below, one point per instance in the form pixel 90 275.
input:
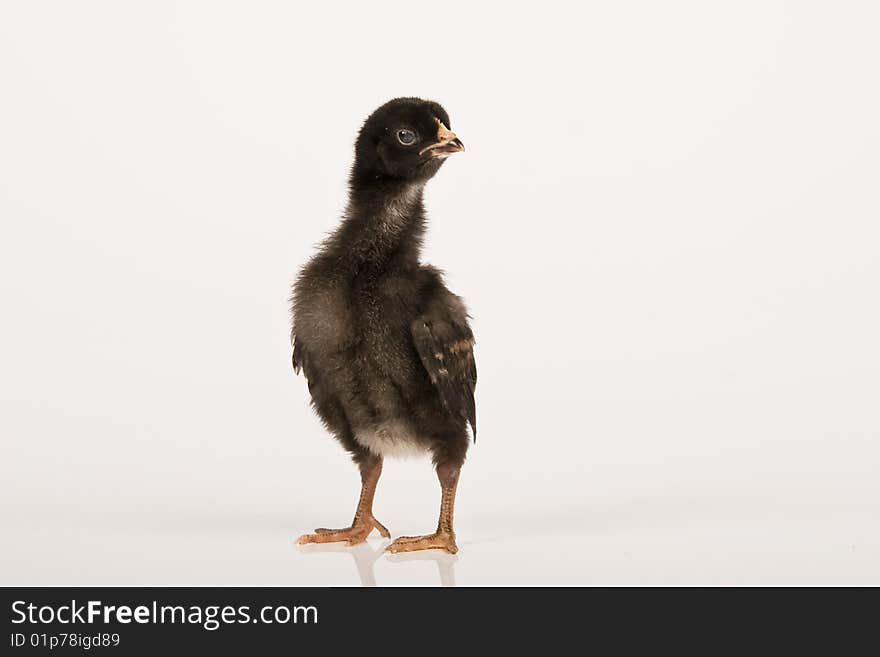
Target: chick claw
pixel 435 541
pixel 353 535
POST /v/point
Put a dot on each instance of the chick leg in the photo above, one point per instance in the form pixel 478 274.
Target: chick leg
pixel 363 522
pixel 444 537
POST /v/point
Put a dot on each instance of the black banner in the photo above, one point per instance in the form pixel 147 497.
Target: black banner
pixel 134 621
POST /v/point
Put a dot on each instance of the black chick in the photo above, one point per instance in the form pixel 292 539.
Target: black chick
pixel 385 347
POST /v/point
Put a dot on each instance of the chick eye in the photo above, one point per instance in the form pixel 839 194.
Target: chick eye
pixel 406 137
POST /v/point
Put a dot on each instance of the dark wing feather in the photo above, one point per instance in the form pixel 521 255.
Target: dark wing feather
pixel 297 357
pixel 446 349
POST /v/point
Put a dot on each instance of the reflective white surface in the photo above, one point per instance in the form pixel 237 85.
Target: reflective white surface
pixel 666 226
pixel 676 536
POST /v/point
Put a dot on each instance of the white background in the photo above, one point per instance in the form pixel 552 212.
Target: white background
pixel 665 225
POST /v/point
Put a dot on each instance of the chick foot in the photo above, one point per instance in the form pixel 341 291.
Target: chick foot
pixel 353 535
pixel 435 541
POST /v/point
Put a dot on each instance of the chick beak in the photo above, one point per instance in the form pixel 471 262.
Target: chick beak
pixel 447 143
pixel 456 145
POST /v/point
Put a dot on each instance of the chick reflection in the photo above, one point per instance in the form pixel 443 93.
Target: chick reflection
pixel 445 563
pixel 365 558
